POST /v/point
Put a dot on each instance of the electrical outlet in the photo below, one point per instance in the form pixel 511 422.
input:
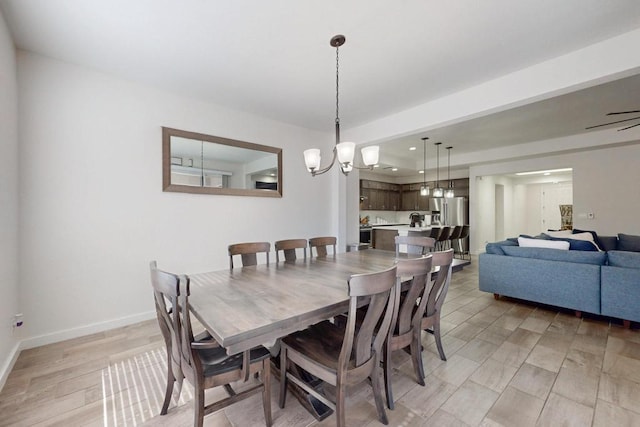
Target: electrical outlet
pixel 17 320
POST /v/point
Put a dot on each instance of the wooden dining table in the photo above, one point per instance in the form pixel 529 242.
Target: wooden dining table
pixel 255 305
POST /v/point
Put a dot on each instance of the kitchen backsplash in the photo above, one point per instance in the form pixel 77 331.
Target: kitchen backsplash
pixel 392 217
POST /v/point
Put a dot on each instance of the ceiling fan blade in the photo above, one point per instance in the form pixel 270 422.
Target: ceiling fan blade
pixel 612 123
pixel 629 127
pixel 623 112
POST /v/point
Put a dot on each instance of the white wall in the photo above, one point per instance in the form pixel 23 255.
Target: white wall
pixel 94 213
pixel 8 200
pixel 604 183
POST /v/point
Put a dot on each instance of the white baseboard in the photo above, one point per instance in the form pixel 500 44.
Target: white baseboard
pixel 85 330
pixel 8 365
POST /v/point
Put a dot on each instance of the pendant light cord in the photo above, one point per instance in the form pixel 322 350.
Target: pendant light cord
pixel 337 96
pixel 449 166
pixel 424 162
pixel 438 164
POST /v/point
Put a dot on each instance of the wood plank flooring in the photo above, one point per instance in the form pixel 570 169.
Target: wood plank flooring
pixel 509 364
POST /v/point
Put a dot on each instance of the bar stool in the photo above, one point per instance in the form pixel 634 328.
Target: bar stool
pixel 435 233
pixel 455 235
pixel 443 238
pixel 463 235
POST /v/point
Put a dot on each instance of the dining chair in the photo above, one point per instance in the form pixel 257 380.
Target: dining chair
pixel 342 356
pixel 248 252
pixel 431 306
pixel 288 247
pixel 405 327
pixel 416 245
pixel 321 244
pixel 205 364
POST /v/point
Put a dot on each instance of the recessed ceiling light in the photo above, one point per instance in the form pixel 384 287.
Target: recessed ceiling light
pixel 412 148
pixel 544 172
pixel 420 171
pixel 394 169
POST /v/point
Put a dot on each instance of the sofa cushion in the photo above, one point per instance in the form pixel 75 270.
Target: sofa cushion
pixel 608 243
pixel 628 242
pixel 496 247
pixel 580 257
pixel 542 243
pixel 624 259
pixel 577 244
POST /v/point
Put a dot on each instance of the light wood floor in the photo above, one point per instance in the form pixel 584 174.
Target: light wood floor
pixel 509 364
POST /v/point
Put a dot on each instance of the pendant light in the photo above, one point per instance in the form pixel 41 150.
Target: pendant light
pixel 449 193
pixel 438 191
pixel 424 189
pixel 344 151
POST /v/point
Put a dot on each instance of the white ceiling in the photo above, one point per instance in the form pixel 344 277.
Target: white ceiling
pixel 272 58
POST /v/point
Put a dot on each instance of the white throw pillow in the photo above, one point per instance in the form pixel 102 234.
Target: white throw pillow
pixel 561 233
pixel 540 243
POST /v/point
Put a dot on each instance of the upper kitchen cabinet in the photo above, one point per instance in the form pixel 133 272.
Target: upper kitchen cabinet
pixel 379 196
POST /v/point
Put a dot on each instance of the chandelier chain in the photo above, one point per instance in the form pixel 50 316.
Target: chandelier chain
pixel 337 86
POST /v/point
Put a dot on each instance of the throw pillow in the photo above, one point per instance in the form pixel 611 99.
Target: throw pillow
pixel 496 247
pixel 596 239
pixel 561 233
pixel 577 244
pixel 541 243
pixel 628 242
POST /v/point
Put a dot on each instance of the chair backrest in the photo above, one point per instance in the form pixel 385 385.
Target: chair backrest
pixel 444 234
pixel 166 289
pixel 435 232
pixel 417 271
pixel 455 233
pixel 248 252
pixel 465 232
pixel 321 244
pixel 416 245
pixel 381 290
pixel 289 248
pixel 434 296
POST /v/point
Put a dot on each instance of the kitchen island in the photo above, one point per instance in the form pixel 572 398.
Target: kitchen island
pixel 383 237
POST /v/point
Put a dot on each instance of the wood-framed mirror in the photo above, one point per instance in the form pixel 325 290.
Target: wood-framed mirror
pixel 206 164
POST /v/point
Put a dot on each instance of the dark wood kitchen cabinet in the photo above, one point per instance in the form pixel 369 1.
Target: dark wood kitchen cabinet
pixel 379 196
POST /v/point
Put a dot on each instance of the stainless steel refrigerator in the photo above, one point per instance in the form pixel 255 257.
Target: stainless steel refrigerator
pixel 453 211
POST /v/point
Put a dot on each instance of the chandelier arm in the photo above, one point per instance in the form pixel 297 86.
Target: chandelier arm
pixel 323 170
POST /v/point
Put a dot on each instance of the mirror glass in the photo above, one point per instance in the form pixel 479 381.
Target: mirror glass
pixel 198 163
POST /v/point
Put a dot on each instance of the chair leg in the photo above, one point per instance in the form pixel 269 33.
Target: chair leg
pixel 283 375
pixel 416 358
pixel 198 402
pixel 386 363
pixel 341 419
pixel 170 381
pixel 377 394
pixel 436 334
pixel 266 392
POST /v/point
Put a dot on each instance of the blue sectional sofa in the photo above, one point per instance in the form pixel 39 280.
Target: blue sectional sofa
pixel 605 283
